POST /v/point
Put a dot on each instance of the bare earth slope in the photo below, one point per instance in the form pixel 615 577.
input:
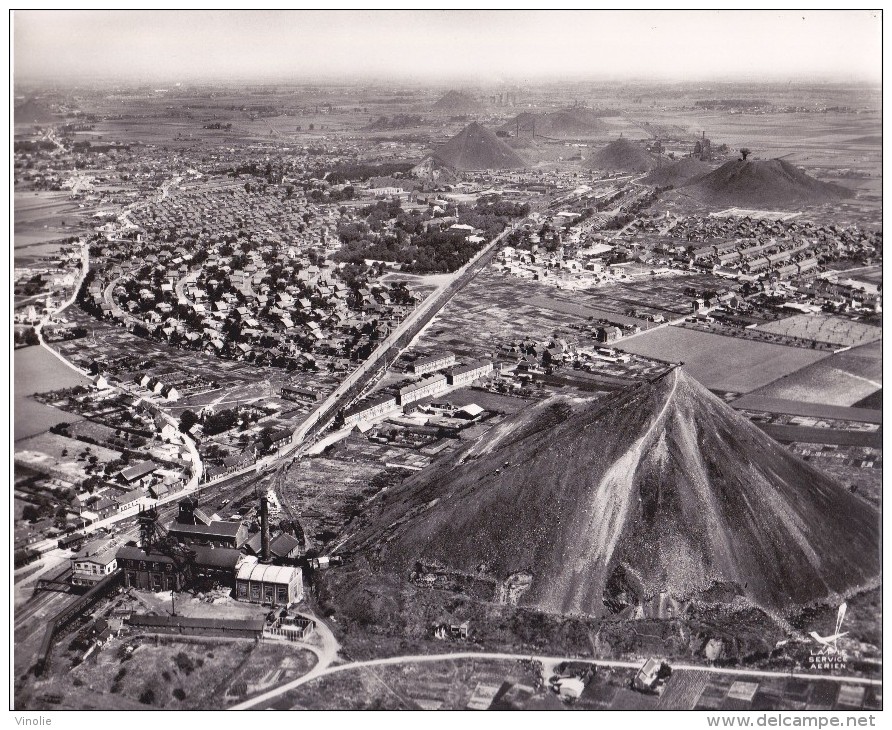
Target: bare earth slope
pixel 762 183
pixel 678 172
pixel 665 495
pixel 478 148
pixel 621 154
pixel 457 102
pixel 560 124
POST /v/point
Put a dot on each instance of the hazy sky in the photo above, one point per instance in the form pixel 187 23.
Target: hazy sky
pixel 473 45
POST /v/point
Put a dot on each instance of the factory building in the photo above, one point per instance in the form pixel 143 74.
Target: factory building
pixel 300 395
pixel 275 585
pixel 165 565
pixel 182 625
pixel 153 570
pixel 149 570
pixel 192 525
pixel 282 547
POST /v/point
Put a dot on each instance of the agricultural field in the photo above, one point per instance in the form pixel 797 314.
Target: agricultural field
pixel 823 328
pixel 237 382
pixel 657 296
pixel 721 363
pixel 493 402
pixel 491 309
pixel 863 414
pixel 835 146
pixel 842 379
pixel 828 141
pixel 727 692
pixel 683 690
pixel 581 309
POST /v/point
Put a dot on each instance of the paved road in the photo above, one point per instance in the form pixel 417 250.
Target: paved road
pixel 427 658
pixel 180 287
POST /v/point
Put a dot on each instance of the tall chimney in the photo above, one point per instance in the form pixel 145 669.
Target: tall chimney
pixel 264 529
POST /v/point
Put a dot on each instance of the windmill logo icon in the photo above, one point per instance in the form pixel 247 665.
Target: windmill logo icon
pixel 829 644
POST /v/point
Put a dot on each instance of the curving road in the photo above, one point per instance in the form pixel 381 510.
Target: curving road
pixel 197 466
pixel 316 673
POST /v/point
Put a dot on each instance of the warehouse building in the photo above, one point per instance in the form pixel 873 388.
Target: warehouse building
pixel 300 395
pixel 275 585
pixel 183 625
pixel 149 570
pixel 192 525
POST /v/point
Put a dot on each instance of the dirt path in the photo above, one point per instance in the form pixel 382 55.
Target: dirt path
pixel 458 656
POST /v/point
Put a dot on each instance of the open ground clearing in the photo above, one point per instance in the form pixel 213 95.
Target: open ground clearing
pixel 175 674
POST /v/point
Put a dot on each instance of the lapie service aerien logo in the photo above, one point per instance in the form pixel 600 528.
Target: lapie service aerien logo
pixel 829 655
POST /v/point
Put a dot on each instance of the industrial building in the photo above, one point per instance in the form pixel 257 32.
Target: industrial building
pixel 192 525
pixel 230 628
pixel 93 562
pixel 149 570
pixel 170 559
pixel 219 533
pixel 300 395
pixel 276 585
pixel 153 569
pixel 282 547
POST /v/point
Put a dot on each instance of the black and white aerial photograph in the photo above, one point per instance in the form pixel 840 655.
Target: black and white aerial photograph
pixel 453 360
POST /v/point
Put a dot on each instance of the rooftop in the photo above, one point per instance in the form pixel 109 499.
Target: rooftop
pixel 261 572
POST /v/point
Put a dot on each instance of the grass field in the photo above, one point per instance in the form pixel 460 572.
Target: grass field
pixel 57 454
pixel 823 328
pixel 842 379
pixel 447 685
pixel 722 363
